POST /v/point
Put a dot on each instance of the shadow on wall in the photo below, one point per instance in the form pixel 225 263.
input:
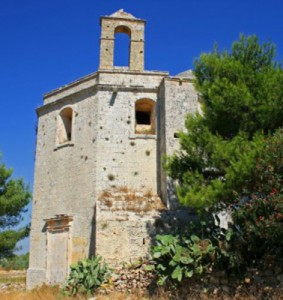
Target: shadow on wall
pixel 170 222
pixel 92 239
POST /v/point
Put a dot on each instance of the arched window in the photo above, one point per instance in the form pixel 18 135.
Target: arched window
pixel 64 132
pixel 145 116
pixel 122 46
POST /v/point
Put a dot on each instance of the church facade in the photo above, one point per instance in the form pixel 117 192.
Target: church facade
pixel 99 184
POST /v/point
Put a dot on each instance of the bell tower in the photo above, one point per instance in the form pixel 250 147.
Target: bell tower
pixel 122 22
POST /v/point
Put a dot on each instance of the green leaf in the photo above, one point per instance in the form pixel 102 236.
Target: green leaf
pixel 161 267
pixel 156 254
pixel 161 280
pixel 177 274
pixel 186 260
pixel 195 239
pixel 189 273
pixel 229 234
pixel 149 268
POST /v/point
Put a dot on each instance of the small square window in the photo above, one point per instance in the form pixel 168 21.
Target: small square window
pixel 144 114
pixel 143 117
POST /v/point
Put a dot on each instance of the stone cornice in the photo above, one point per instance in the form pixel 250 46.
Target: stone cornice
pixel 96 74
pixel 70 85
pixel 124 19
pixel 97 87
pixel 176 78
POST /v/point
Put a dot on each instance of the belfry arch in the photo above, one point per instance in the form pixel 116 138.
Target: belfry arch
pixel 122 43
pixel 122 22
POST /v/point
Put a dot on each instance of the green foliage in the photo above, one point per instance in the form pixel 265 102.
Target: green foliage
pixel 231 156
pixel 197 252
pixel 241 95
pixel 177 257
pixel 241 90
pixel 259 213
pixel 15 262
pixel 261 222
pixel 14 197
pixel 208 167
pixel 87 275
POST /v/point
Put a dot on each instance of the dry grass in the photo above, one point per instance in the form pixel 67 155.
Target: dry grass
pixel 121 296
pixel 123 189
pixel 53 293
pixel 131 196
pixel 148 194
pixel 20 279
pixel 43 293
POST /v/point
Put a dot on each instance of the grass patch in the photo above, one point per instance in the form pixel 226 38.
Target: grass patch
pixel 43 293
pixel 21 279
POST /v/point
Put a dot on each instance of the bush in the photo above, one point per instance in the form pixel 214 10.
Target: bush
pixel 261 223
pixel 176 257
pixel 16 262
pixel 87 275
pixel 259 213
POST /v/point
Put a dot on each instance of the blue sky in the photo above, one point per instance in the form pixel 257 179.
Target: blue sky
pixel 47 44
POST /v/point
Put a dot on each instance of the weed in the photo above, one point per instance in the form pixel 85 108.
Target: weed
pixel 148 194
pixel 123 189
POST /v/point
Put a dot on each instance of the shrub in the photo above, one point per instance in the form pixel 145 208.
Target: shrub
pixel 176 258
pixel 259 213
pixel 15 262
pixel 87 275
pixel 198 250
pixel 261 223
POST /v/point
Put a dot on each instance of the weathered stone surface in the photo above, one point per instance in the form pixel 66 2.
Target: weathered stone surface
pixel 102 149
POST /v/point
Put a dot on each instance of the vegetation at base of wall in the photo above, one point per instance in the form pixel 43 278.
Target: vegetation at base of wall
pixel 14 197
pixel 15 262
pixel 196 252
pixel 86 276
pixel 231 155
pixel 178 257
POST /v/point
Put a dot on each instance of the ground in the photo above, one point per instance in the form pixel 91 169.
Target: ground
pixel 12 287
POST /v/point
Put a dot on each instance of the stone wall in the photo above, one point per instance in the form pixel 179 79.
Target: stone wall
pixel 64 181
pixel 128 221
pixel 177 98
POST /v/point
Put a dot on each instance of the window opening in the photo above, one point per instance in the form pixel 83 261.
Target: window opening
pixel 122 46
pixel 145 119
pixel 65 125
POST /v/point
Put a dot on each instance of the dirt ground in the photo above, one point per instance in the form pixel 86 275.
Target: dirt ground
pixel 12 287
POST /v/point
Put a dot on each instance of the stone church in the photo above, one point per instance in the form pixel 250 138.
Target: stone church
pixel 99 187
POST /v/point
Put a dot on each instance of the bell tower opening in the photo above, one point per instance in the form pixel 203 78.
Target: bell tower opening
pixel 120 31
pixel 122 46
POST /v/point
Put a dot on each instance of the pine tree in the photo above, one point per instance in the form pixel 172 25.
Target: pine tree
pixel 242 103
pixel 14 197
